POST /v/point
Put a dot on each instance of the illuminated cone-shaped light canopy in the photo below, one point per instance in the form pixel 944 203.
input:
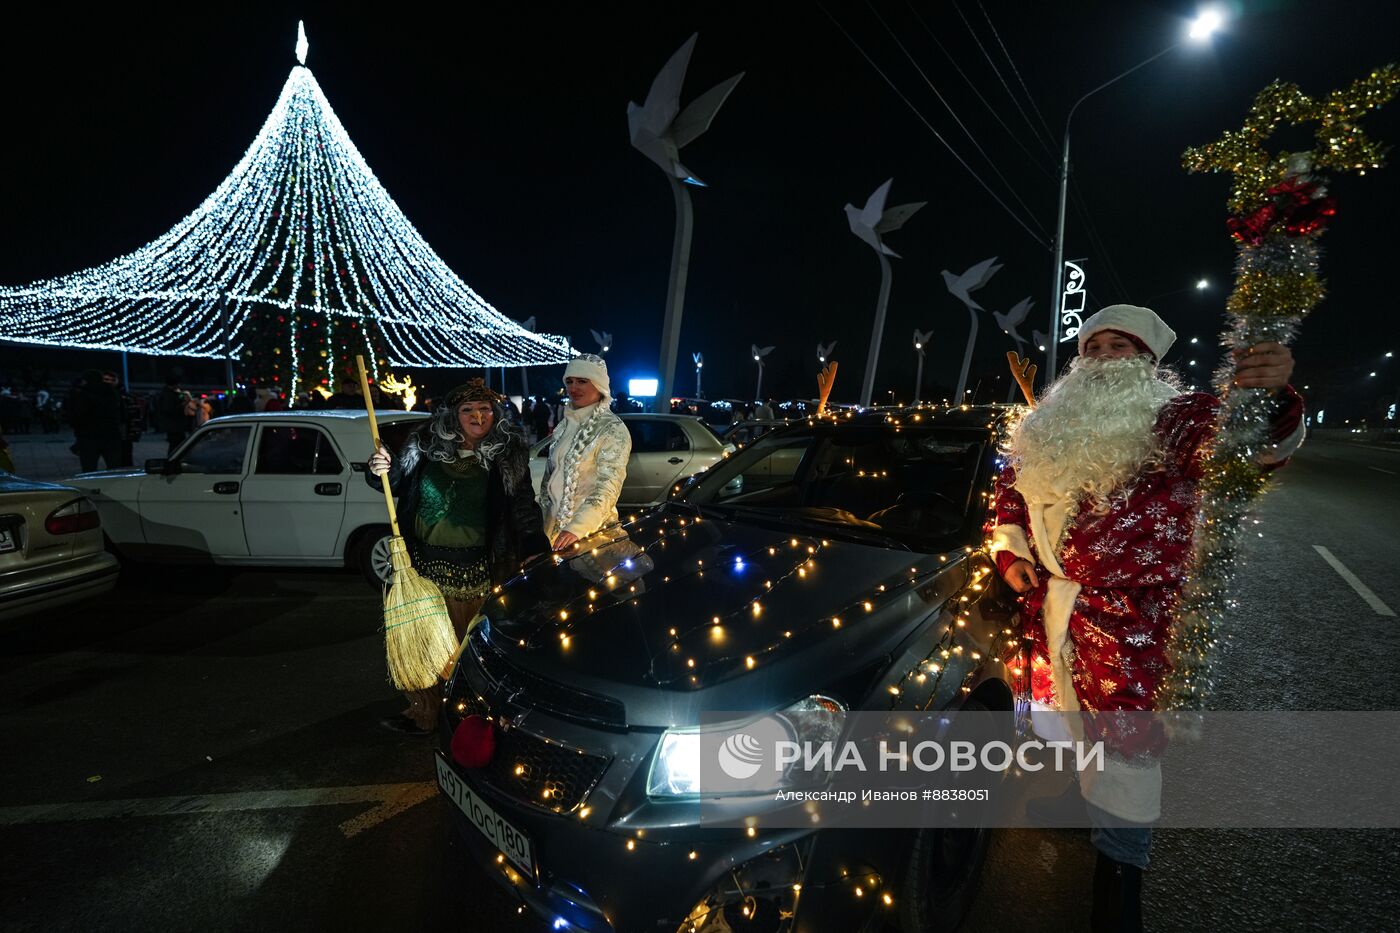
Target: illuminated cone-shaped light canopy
pixel 297 262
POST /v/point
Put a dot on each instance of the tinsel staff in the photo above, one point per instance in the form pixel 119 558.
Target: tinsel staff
pixel 1279 207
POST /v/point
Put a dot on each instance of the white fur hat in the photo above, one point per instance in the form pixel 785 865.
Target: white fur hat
pixel 1143 323
pixel 591 367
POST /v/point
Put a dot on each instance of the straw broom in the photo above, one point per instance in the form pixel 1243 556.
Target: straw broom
pixel 418 636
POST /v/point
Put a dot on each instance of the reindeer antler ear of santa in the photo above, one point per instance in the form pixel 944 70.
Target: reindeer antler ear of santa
pixel 1023 371
pixel 825 379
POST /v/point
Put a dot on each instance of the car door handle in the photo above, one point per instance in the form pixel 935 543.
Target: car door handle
pixel 226 489
pixel 674 460
pixel 327 489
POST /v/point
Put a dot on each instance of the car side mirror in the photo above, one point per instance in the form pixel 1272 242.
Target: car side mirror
pixel 156 465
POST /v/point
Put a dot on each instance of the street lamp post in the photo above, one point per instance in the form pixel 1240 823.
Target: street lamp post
pixel 919 340
pixel 1201 29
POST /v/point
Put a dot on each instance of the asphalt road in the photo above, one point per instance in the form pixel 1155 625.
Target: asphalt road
pixel 201 750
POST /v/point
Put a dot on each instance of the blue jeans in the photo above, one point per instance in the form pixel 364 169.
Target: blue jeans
pixel 1128 844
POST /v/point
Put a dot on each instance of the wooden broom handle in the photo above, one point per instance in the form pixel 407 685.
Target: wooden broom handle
pixel 374 433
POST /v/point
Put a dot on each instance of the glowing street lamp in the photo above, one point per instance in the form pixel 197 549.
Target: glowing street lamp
pixel 1206 23
pixel 920 338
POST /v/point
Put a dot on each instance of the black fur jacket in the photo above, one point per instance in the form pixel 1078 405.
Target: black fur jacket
pixel 514 525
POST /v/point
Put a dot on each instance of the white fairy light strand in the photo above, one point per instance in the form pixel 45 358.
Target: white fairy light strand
pixel 354 257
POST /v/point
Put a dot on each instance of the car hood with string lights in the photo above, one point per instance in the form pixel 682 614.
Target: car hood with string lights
pixel 811 571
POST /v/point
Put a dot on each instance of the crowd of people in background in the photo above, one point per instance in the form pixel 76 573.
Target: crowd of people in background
pixel 107 417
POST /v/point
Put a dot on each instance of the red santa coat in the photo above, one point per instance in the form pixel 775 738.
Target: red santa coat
pixel 1128 563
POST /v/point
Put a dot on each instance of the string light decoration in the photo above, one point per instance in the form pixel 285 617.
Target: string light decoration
pixel 298 261
pixel 1279 207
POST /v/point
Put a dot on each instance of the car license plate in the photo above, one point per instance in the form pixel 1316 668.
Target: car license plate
pixel 514 844
pixel 7 539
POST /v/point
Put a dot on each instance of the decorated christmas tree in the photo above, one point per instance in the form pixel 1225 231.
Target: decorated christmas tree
pixel 296 263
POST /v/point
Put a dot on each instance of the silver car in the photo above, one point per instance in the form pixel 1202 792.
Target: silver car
pixel 51 548
pixel 665 450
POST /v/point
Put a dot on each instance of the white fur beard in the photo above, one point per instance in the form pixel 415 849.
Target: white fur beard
pixel 1092 432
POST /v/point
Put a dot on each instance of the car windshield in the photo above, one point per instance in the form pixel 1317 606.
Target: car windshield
pixel 913 486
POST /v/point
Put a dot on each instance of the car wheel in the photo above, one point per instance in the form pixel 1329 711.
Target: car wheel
pixel 372 556
pixel 942 873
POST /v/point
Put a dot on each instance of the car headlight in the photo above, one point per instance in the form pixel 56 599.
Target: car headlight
pixel 679 761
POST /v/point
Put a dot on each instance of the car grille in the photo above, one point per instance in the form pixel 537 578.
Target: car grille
pixel 532 691
pixel 541 773
pixel 526 767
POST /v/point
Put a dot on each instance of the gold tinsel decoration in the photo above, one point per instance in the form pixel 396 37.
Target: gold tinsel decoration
pixel 1274 295
pixel 1276 284
pixel 1341 144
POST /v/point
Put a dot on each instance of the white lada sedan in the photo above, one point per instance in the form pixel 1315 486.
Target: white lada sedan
pixel 278 488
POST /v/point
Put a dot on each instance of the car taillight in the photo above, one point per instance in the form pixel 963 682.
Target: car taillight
pixel 78 515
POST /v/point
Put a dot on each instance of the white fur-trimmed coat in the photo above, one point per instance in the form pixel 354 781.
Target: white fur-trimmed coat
pixel 594 467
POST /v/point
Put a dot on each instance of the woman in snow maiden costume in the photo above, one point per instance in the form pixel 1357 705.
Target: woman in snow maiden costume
pixel 587 460
pixel 463 484
pixel 1095 515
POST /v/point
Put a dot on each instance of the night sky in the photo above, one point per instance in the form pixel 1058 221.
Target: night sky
pixel 502 134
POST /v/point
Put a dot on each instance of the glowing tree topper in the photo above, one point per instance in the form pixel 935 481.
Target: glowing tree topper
pixel 1279 207
pixel 297 261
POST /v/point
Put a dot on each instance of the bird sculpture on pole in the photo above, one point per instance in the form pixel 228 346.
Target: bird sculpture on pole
pixel 659 129
pixel 699 365
pixel 758 354
pixel 870 223
pixel 920 342
pixel 962 287
pixel 824 351
pixel 1008 323
pixel 603 339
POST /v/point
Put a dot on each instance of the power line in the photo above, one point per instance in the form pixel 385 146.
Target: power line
pixel 936 134
pixel 997 71
pixel 1016 71
pixel 1035 159
pixel 956 118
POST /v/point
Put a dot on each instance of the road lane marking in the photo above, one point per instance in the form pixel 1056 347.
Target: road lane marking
pixel 1362 590
pixel 390 800
pixel 1379 470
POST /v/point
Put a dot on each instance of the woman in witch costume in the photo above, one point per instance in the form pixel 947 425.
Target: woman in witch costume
pixel 469 511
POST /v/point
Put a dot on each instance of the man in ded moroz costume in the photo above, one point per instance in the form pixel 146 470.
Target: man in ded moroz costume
pixel 1095 513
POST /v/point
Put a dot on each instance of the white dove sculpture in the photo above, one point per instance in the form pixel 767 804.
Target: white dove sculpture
pixel 1042 341
pixel 871 223
pixel 920 343
pixel 604 341
pixel 659 128
pixel 1012 319
pixel 1008 323
pixel 825 350
pixel 758 354
pixel 699 365
pixel 962 287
